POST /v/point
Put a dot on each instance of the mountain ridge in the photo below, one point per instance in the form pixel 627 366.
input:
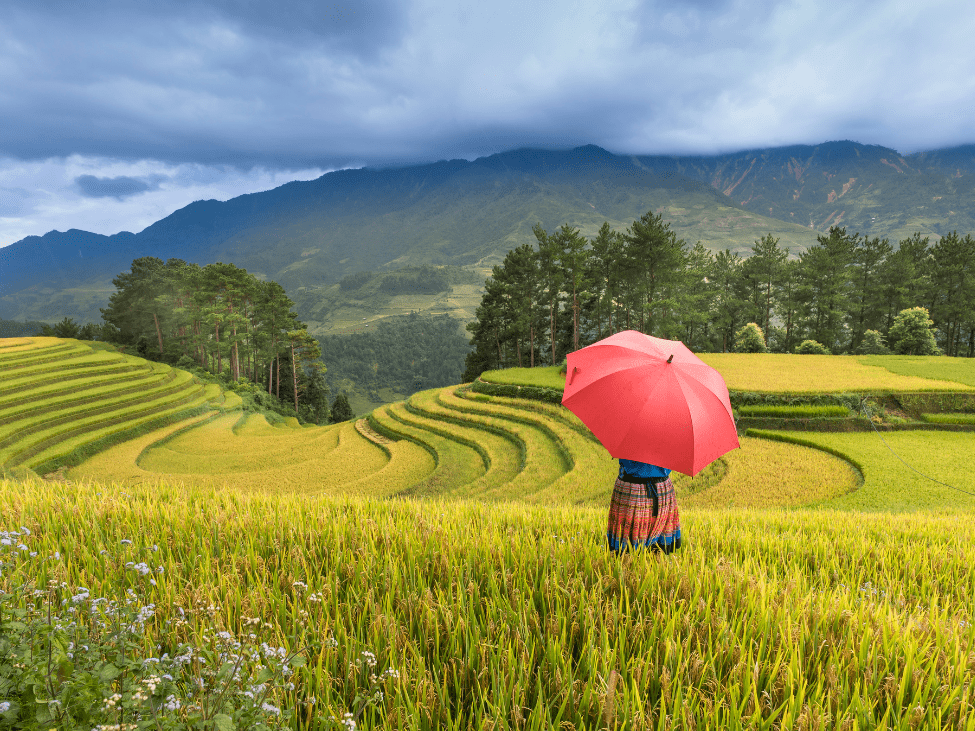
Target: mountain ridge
pixel 309 234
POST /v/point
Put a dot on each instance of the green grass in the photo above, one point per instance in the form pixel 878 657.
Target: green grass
pixel 948 418
pixel 890 485
pixel 959 370
pixel 42 352
pixel 29 400
pixel 47 427
pixel 62 369
pixel 61 446
pixel 804 411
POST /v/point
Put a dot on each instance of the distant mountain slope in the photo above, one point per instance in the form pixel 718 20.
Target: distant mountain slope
pixel 310 234
pixel 867 188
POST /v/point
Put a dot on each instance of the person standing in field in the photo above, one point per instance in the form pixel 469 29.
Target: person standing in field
pixel 643 509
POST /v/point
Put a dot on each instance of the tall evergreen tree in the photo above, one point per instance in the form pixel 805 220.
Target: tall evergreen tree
pixel 603 278
pixel 866 294
pixel 553 277
pixel 763 271
pixel 825 286
pixel 903 279
pixel 731 303
pixel 571 258
pixel 697 299
pixel 656 258
pixel 952 271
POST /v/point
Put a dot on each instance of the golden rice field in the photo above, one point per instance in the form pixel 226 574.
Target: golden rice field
pixel 891 463
pixel 62 400
pixel 451 444
pixel 790 373
pixel 460 538
pixel 515 616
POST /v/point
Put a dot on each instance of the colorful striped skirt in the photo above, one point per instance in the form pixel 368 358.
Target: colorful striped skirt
pixel 644 515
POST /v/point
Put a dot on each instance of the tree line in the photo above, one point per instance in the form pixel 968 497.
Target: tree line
pixel 224 320
pixel 844 293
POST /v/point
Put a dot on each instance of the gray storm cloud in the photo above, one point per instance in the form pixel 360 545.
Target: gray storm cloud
pixel 222 98
pixel 119 187
pixel 336 84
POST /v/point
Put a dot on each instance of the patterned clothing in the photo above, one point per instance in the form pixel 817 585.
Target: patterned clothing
pixel 644 515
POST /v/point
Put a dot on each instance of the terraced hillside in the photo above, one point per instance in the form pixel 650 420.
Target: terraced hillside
pixel 452 443
pixel 62 400
pixel 561 462
pixel 244 452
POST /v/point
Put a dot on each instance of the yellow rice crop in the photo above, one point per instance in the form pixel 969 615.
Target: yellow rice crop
pixel 780 373
pixel 318 459
pixel 460 461
pixel 765 474
pixel 11 345
pixel 505 451
pixel 517 617
pixel 892 485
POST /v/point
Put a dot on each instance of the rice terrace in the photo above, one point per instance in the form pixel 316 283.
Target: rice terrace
pixel 441 563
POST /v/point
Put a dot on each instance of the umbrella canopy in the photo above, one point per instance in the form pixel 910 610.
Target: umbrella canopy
pixel 651 400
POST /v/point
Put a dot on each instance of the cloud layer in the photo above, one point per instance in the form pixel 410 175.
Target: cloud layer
pixel 295 85
pixel 107 196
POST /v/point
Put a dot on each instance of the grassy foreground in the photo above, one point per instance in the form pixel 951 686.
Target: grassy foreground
pixel 515 617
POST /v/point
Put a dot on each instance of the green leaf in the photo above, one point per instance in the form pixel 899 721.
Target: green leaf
pixel 224 722
pixel 108 672
pixel 265 675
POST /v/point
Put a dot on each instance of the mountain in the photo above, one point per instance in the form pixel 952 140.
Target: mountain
pixel 308 235
pixel 868 189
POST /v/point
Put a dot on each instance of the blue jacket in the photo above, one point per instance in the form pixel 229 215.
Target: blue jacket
pixel 641 469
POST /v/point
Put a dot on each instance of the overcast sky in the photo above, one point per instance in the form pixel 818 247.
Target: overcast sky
pixel 113 114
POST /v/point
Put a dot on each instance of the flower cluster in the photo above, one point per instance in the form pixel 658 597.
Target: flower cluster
pixel 197 685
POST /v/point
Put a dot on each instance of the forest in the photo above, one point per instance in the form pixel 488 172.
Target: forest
pixel 407 354
pixel 843 294
pixel 223 320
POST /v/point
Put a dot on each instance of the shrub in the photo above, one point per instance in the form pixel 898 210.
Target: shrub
pixel 799 411
pixel 873 344
pixel 911 333
pixel 750 339
pixel 341 410
pixel 811 347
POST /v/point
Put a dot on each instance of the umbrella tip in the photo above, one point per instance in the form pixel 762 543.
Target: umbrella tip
pixel 670 358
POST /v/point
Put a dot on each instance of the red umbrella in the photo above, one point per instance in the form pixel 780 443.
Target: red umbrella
pixel 651 400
